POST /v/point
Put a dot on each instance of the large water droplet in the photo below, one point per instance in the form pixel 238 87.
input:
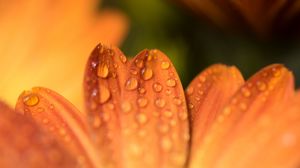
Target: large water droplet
pixel 104 94
pixel 157 87
pixel 147 73
pixel 31 100
pixel 171 83
pixel 102 70
pixel 168 113
pixel 165 65
pixel 160 102
pixel 131 84
pixel 142 102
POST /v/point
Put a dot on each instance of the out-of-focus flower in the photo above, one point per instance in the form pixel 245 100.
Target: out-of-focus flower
pixel 264 17
pixel 45 42
pixel 137 116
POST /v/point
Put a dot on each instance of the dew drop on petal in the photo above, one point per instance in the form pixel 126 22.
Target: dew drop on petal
pixel 104 94
pixel 177 101
pixel 31 100
pixel 131 84
pixel 147 73
pixel 142 90
pixel 141 118
pixel 157 87
pixel 102 70
pixel 246 92
pixel 126 107
pixel 142 102
pixel 168 113
pixel 171 83
pixel 166 144
pixel 165 65
pixel 139 63
pixel 190 91
pixel 123 58
pixel 160 102
pixel 261 86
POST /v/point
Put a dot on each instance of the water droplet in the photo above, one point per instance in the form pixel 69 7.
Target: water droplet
pixel 141 118
pixel 183 115
pixel 139 63
pixel 142 102
pixel 102 70
pixel 94 64
pixel 171 83
pixel 147 73
pixel 168 92
pixel 190 91
pixel 246 92
pixel 168 113
pixel 261 86
pixel 173 122
pixel 157 87
pixel 190 106
pixel 165 65
pixel 276 72
pixel 177 101
pixel 40 109
pixel 166 144
pixel 31 100
pixel 131 84
pixel 123 58
pixel 133 71
pixel 104 94
pixel 126 107
pixel 227 111
pixel 160 102
pixel 142 90
pixel 202 78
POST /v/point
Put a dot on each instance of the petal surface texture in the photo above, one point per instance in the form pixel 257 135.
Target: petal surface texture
pixel 206 96
pixel 46 43
pixel 24 144
pixel 257 126
pixel 137 109
pixel 61 120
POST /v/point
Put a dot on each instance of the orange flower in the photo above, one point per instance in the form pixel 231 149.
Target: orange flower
pixel 45 43
pixel 262 16
pixel 136 116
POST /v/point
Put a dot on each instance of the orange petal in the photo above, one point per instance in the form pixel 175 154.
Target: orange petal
pixel 61 119
pixel 35 35
pixel 206 95
pixel 23 144
pixel 138 109
pixel 266 93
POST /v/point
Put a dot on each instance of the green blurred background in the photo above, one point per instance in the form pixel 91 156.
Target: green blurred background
pixel 193 44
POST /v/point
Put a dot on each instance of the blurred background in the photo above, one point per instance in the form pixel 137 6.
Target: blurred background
pixel 193 43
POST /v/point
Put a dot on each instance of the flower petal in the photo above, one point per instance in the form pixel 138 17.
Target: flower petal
pixel 137 109
pixel 36 35
pixel 207 94
pixel 265 94
pixel 61 120
pixel 23 144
